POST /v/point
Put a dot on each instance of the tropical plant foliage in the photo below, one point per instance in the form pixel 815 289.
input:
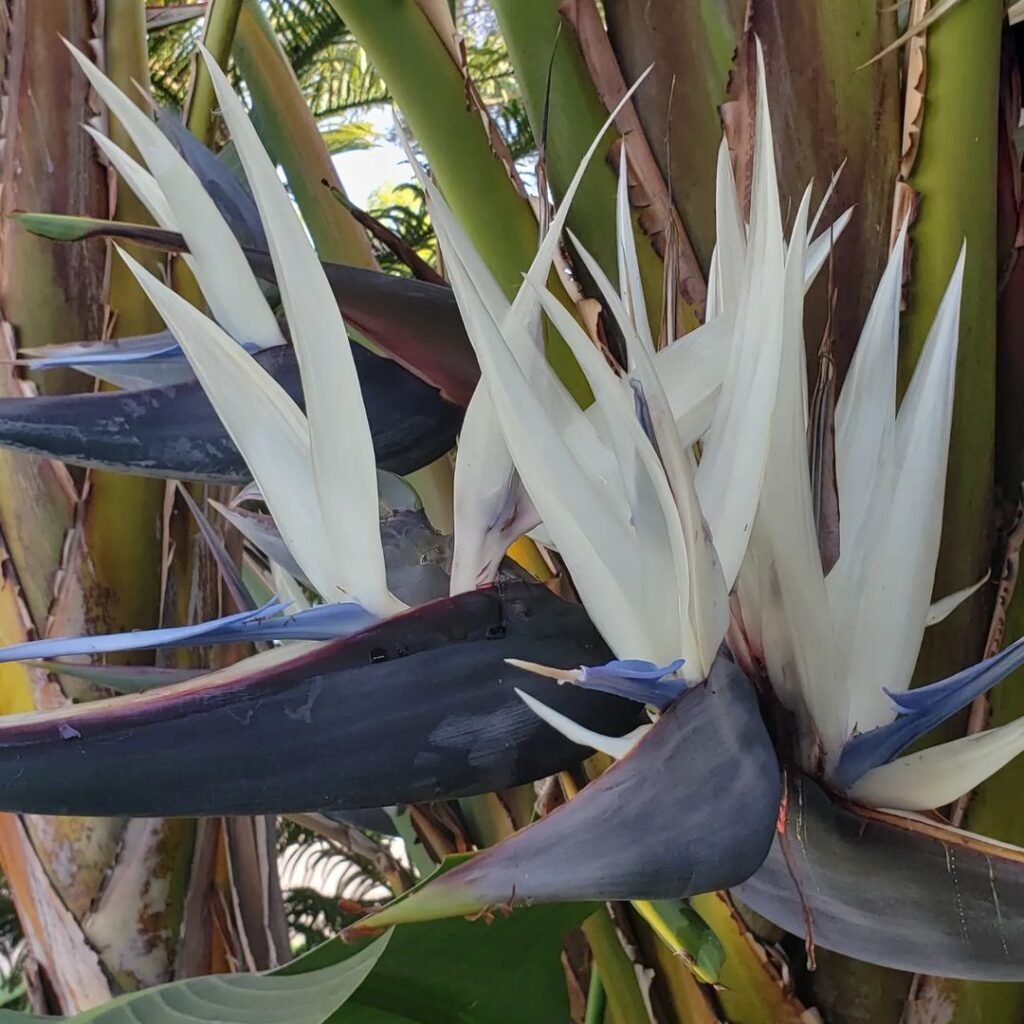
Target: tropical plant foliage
pixel 665 685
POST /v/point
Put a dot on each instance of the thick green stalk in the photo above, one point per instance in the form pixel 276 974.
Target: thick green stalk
pixel 290 133
pixel 955 175
pixel 625 1001
pixel 430 90
pixel 122 513
pixel 596 999
pixel 218 33
pixel 575 115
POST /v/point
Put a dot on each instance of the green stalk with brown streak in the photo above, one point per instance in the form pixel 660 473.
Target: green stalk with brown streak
pixel 218 33
pixel 955 175
pixel 536 43
pixel 691 46
pixel 121 521
pixel 963 75
pixel 430 90
pixel 290 133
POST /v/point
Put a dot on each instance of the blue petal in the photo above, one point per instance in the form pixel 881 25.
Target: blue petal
pixel 642 681
pixel 135 640
pixel 920 710
pixel 324 622
pixel 100 353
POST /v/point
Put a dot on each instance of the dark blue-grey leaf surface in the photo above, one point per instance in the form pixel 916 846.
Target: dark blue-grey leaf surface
pixel 902 892
pixel 691 809
pixel 174 432
pixel 420 707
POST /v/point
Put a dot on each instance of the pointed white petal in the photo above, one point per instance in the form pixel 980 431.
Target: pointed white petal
pixel 263 421
pixel 137 178
pixel 732 464
pixel 829 192
pixel 229 286
pixel 898 570
pixel 577 509
pixel 525 303
pixel 492 508
pixel 818 250
pixel 939 775
pixel 613 746
pixel 866 409
pixel 664 559
pixel 730 238
pixel 700 585
pixel 691 370
pixel 945 606
pixel 342 447
pixel 781 587
pixel 631 289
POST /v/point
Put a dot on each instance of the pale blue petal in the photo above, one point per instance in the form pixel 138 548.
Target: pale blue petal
pixel 203 632
pixel 642 681
pixel 921 710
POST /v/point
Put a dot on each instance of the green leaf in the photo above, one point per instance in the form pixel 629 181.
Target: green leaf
pixel 687 934
pixel 299 997
pixel 475 972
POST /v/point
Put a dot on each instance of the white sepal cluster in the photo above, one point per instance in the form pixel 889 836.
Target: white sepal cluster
pixel 653 542
pixel 317 471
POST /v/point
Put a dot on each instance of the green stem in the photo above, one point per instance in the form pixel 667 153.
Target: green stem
pixel 218 33
pixel 292 136
pixel 955 175
pixel 618 974
pixel 430 90
pixel 575 115
pixel 596 1000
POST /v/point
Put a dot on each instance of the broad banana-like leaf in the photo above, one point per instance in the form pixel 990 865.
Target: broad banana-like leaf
pixel 692 808
pixel 416 323
pixel 309 997
pixel 174 432
pixel 896 890
pixel 420 707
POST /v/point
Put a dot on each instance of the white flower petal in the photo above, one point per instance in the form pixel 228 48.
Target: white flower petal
pixel 229 286
pixel 137 178
pixel 733 461
pixel 818 250
pixel 780 586
pixel 492 508
pixel 939 775
pixel 344 464
pixel 945 606
pixel 829 192
pixel 866 409
pixel 574 505
pixel 613 746
pixel 263 421
pixel 903 528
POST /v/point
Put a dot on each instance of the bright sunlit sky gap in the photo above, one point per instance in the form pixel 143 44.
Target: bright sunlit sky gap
pixel 364 171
